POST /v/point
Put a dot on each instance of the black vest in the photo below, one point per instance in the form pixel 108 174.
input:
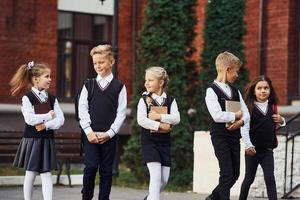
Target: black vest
pixel 262 129
pixel 220 128
pixel 156 138
pixel 30 131
pixel 104 104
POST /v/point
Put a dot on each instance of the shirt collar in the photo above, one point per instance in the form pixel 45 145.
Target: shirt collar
pixel 221 83
pixel 262 103
pixel 106 78
pixel 41 94
pixel 155 96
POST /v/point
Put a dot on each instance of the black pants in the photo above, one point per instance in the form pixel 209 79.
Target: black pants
pixel 98 157
pixel 266 161
pixel 227 151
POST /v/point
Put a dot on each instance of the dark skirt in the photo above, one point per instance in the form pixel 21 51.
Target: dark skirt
pixel 157 153
pixel 36 154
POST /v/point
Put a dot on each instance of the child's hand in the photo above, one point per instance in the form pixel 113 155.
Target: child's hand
pixel 277 118
pixel 52 113
pixel 236 125
pixel 154 116
pixel 102 137
pixel 164 127
pixel 238 115
pixel 40 127
pixel 92 137
pixel 250 151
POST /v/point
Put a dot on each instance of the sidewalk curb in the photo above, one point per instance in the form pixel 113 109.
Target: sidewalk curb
pixel 18 180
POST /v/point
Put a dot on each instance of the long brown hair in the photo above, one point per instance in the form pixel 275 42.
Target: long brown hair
pixel 250 92
pixel 23 77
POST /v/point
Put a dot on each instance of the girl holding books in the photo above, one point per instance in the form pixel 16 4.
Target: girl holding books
pixel 259 135
pixel 156 113
pixel 42 115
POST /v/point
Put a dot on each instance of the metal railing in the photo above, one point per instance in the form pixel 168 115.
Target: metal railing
pixel 290 140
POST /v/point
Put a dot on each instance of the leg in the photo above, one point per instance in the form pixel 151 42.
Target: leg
pixel 222 148
pixel 59 170
pixel 107 155
pixel 235 158
pixel 155 180
pixel 91 161
pixel 267 164
pixel 28 184
pixel 68 170
pixel 165 172
pixel 47 185
pixel 251 164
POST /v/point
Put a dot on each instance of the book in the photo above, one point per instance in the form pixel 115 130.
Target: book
pixel 159 110
pixel 42 108
pixel 232 106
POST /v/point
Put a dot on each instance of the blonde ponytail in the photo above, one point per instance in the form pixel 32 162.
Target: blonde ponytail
pixel 20 80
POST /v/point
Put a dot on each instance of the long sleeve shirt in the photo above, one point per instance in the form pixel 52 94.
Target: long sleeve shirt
pixel 83 108
pixel 263 106
pixel 173 118
pixel 215 109
pixel 33 119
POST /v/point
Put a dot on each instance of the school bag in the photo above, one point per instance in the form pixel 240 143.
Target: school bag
pixel 89 85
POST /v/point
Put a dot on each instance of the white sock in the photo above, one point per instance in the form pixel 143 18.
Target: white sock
pixel 47 185
pixel 165 172
pixel 155 180
pixel 28 184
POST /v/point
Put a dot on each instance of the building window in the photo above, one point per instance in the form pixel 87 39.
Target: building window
pixel 77 34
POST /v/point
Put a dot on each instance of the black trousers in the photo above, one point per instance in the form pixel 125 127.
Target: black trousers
pixel 98 157
pixel 227 151
pixel 266 161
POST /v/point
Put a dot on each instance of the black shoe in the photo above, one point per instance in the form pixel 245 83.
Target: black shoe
pixel 146 197
pixel 209 197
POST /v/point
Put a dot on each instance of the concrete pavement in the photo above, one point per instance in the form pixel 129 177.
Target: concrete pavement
pixel 118 193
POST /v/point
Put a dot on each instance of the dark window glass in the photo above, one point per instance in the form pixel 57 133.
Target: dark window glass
pixel 77 34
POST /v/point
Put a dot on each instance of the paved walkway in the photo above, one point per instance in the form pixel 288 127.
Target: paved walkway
pixel 66 193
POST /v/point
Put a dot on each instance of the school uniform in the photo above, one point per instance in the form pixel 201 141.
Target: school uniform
pixel 105 112
pixel 226 143
pixel 36 151
pixel 260 135
pixel 156 147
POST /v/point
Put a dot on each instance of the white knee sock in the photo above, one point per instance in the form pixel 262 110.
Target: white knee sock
pixel 165 172
pixel 47 185
pixel 28 184
pixel 155 180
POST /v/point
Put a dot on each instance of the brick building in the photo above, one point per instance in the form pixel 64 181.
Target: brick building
pixel 61 34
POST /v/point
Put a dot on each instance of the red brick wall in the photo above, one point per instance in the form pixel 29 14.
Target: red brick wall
pixel 126 49
pixel 280 44
pixel 28 33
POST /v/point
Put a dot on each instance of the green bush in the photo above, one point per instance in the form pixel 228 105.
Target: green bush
pixel 165 40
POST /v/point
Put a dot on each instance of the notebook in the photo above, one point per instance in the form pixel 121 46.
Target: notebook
pixel 232 106
pixel 159 110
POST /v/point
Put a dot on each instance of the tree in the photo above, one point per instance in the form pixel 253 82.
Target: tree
pixel 224 29
pixel 166 40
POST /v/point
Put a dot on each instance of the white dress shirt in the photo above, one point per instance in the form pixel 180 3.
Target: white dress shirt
pixel 173 118
pixel 83 107
pixel 215 109
pixel 33 119
pixel 263 107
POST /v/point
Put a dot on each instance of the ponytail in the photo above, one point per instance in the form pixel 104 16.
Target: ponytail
pixel 20 80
